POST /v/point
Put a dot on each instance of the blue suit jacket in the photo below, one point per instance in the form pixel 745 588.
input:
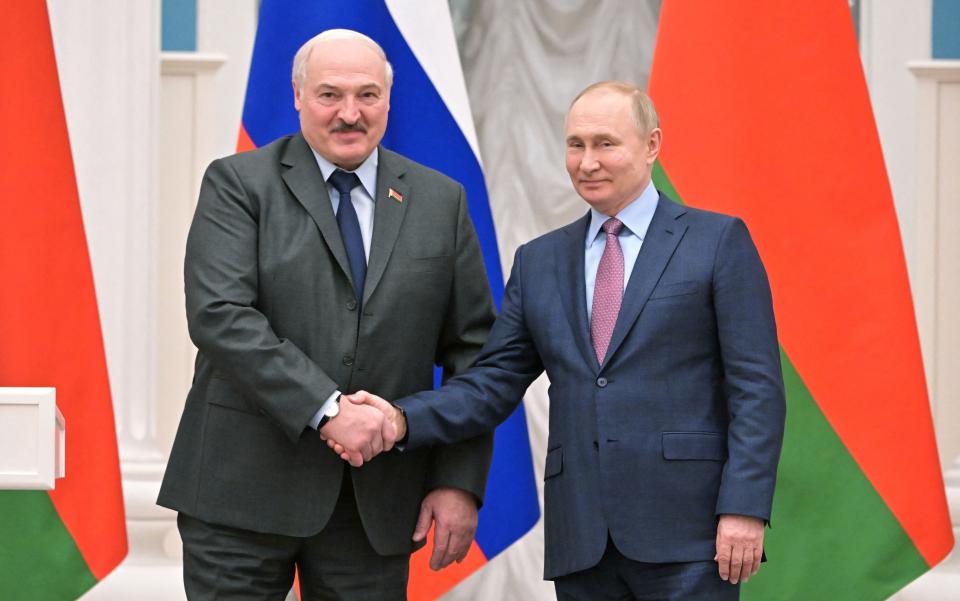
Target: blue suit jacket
pixel 682 422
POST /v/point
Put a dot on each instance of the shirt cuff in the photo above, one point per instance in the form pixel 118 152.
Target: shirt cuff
pixel 315 422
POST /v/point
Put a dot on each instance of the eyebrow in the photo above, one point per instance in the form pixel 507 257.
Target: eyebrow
pixel 367 86
pixel 594 136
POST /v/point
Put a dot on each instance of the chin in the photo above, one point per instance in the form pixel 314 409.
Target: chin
pixel 593 198
pixel 351 158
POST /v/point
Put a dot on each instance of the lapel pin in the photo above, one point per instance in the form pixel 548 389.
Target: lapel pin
pixel 395 195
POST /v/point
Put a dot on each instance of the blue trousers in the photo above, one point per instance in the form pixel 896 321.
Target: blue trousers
pixel 617 578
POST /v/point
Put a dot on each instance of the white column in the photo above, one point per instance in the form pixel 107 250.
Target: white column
pixel 107 58
pixel 228 27
pixel 109 63
pixel 936 286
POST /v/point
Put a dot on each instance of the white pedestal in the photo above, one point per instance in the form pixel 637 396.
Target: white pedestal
pixel 31 439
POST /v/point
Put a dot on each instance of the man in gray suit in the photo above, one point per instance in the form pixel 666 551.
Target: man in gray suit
pixel 317 265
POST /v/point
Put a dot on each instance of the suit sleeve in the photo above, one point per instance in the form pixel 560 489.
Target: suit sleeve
pixel 470 314
pixel 221 285
pixel 475 402
pixel 753 379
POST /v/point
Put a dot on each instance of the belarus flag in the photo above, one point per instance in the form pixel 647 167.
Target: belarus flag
pixel 766 115
pixel 53 545
pixel 430 122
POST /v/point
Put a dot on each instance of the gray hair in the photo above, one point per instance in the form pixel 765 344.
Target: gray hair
pixel 303 54
pixel 644 113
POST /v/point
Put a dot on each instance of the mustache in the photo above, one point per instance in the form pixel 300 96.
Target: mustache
pixel 348 127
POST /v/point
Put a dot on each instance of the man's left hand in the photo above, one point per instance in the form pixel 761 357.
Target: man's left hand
pixel 455 514
pixel 739 547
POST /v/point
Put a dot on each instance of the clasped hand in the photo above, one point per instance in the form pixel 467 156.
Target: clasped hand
pixel 366 426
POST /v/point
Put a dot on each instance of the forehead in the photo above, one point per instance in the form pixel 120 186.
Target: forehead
pixel 600 111
pixel 337 59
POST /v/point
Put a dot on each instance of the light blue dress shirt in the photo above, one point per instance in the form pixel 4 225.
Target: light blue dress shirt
pixel 636 218
pixel 362 199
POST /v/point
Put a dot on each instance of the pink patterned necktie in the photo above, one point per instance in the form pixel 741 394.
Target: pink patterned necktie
pixel 608 291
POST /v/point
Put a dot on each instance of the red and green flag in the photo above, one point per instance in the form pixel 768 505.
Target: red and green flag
pixel 766 116
pixel 53 545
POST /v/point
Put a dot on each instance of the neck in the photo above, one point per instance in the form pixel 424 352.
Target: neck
pixel 614 209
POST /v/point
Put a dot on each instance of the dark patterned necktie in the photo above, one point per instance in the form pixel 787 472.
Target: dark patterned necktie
pixel 350 229
pixel 608 291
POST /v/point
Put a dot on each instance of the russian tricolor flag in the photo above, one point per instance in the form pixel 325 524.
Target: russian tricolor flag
pixel 430 122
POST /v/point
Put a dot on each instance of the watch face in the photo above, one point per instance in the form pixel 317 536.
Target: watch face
pixel 334 409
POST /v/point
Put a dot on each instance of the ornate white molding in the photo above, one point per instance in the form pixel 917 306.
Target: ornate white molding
pixel 941 70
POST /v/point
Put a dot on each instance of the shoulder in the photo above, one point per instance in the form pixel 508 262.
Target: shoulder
pixel 702 219
pixel 416 173
pixel 713 232
pixel 546 245
pixel 256 163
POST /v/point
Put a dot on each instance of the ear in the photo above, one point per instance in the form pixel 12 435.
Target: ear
pixel 654 141
pixel 296 95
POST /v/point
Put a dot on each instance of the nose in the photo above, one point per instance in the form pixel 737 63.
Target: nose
pixel 589 163
pixel 349 111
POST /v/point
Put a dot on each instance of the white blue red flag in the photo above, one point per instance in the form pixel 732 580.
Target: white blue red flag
pixel 430 122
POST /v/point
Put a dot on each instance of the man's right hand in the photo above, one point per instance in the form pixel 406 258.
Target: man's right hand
pixel 394 425
pixel 359 430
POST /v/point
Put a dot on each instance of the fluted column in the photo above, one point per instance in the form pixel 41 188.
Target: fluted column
pixel 936 287
pixel 108 60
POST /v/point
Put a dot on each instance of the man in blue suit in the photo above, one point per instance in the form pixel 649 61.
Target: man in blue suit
pixel 655 325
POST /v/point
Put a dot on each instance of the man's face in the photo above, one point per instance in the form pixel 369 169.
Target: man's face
pixel 344 101
pixel 608 158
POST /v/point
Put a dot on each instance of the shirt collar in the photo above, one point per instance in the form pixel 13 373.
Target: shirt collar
pixel 636 216
pixel 367 171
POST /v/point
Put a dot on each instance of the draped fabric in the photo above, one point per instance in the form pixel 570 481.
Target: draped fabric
pixel 524 61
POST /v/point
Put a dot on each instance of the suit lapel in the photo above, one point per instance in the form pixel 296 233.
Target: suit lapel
pixel 305 181
pixel 663 236
pixel 571 283
pixel 387 217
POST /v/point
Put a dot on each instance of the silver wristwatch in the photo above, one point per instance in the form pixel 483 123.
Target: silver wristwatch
pixel 332 411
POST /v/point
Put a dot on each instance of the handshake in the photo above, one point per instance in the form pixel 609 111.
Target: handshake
pixel 366 426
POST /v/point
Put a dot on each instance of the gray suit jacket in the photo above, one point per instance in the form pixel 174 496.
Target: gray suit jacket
pixel 271 308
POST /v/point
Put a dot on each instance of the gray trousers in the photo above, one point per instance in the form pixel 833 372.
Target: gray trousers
pixel 221 563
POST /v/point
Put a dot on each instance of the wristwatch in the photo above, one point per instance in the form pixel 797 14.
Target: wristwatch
pixel 332 411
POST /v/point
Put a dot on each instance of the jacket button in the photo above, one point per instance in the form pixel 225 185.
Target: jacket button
pixel 348 359
pixel 601 382
pixel 351 305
